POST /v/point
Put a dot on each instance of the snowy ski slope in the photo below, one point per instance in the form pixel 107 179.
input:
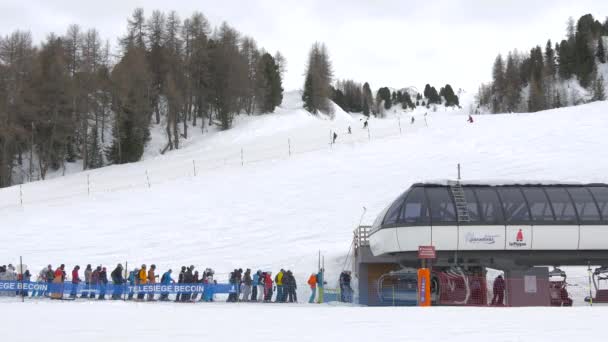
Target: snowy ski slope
pixel 278 210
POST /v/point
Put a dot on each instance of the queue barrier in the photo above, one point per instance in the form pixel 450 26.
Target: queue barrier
pixel 70 288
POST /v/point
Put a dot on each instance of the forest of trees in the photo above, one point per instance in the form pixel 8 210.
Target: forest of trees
pixel 529 82
pixel 353 97
pixel 74 97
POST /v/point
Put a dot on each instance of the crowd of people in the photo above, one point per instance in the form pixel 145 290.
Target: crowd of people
pixel 94 283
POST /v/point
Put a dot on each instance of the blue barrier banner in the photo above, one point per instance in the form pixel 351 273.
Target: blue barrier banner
pixel 68 287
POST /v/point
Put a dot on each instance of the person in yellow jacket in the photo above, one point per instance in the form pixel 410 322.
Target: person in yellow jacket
pixel 143 279
pixel 278 280
pixel 151 280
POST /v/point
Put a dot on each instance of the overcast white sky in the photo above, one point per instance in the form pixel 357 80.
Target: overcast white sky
pixel 387 43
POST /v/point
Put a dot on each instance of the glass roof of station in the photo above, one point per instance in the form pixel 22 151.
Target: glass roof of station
pixel 546 204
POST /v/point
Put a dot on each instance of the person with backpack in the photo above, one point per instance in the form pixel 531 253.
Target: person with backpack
pixel 94 282
pixel 312 282
pixel 118 280
pixel 103 283
pixel 132 282
pixel 290 287
pixel 166 280
pixel 278 280
pixel 75 281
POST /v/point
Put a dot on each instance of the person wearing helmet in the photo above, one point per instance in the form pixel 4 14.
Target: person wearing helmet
pixel 151 280
pixel 143 279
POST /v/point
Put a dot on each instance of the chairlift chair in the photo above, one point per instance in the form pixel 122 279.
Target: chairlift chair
pixel 601 295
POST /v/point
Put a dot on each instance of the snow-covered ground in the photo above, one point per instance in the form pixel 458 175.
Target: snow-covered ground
pixel 278 210
pixel 245 322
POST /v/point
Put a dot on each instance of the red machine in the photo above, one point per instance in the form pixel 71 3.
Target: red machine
pixel 557 288
pixel 456 286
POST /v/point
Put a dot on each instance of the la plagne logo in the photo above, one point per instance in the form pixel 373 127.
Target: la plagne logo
pixel 487 239
pixel 519 240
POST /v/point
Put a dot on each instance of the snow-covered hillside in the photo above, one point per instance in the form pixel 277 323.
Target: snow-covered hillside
pixel 278 210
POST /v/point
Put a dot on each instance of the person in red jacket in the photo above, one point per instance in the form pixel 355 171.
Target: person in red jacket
pixel 75 281
pixel 268 287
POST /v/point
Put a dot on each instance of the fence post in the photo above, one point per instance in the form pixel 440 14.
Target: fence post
pixel 399 119
pixel 369 136
pixel 148 179
pixel 126 288
pixel 21 194
pixel 21 270
pixel 242 158
pixel 590 291
pixel 88 185
pixel 194 166
pixel 289 146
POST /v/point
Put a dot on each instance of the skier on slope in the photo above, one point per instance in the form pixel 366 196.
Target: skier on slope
pixel 151 280
pixel 180 280
pixel 335 136
pixel 247 283
pixel 103 283
pixel 312 282
pixel 166 280
pixel 278 280
pixel 142 278
pixel 195 280
pixel 118 281
pixel 132 282
pixel 291 287
pixel 255 279
pixel 470 119
pixel 88 271
pixel 268 287
pixel 95 282
pixel 75 281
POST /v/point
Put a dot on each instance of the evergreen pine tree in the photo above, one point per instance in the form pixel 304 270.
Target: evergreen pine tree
pixel 94 157
pixel 307 95
pixel 601 52
pixel 599 90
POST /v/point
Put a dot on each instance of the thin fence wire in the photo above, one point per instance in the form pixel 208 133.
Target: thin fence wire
pixel 123 177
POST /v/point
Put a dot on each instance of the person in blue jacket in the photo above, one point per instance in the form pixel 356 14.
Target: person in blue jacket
pixel 166 280
pixel 254 289
pixel 132 282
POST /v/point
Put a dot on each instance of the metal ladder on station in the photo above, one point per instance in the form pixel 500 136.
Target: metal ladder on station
pixel 462 212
